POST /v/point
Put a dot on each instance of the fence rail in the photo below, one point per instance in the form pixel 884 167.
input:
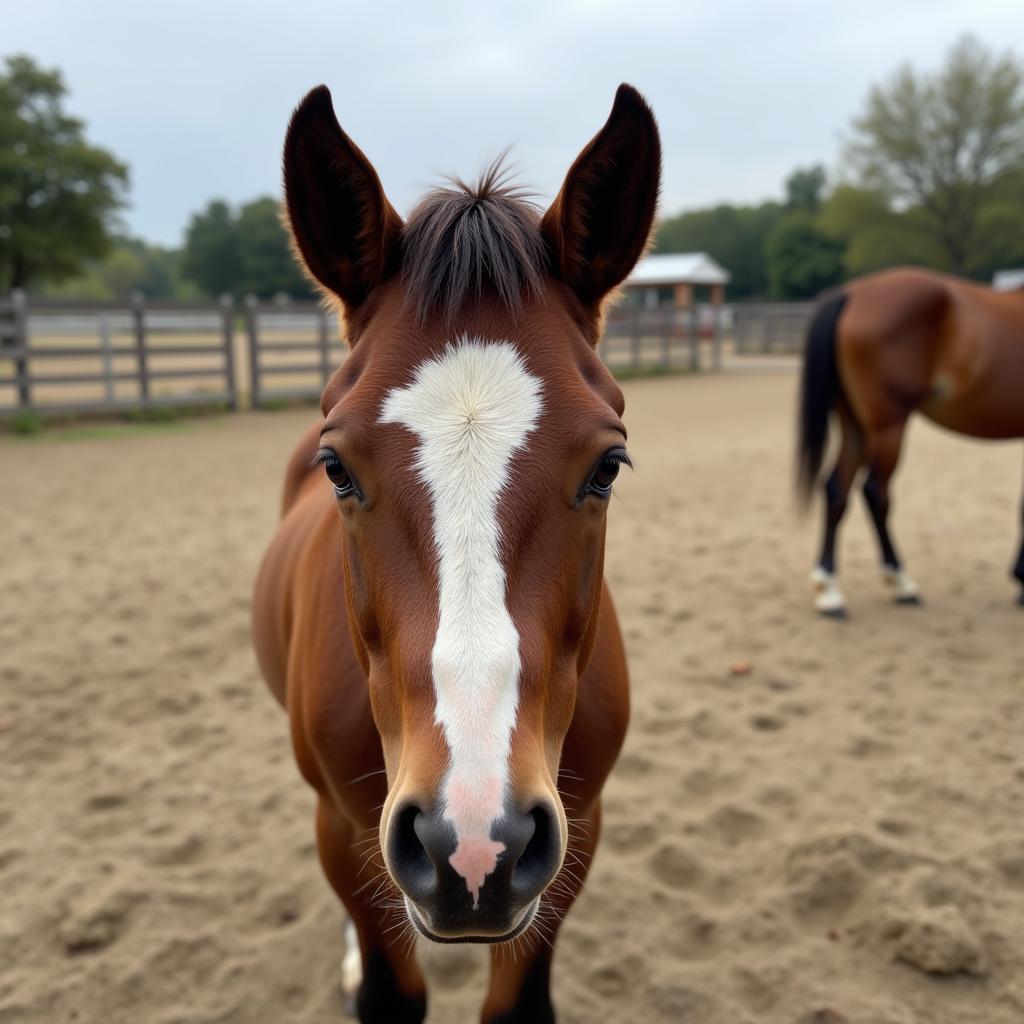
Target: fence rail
pixel 66 357
pixel 770 327
pixel 293 350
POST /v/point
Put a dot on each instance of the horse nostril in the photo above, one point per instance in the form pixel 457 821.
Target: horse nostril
pixel 539 859
pixel 411 863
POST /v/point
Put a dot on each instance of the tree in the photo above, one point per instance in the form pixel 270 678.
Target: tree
pixel 212 258
pixel 873 235
pixel 58 193
pixel 944 145
pixel 242 254
pixel 733 235
pixel 801 259
pixel 268 266
pixel 805 188
pixel 131 267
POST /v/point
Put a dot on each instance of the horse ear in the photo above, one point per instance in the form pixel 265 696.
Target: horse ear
pixel 343 225
pixel 599 224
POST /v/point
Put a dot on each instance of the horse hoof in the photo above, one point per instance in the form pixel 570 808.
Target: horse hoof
pixel 351 971
pixel 905 590
pixel 839 612
pixel 828 598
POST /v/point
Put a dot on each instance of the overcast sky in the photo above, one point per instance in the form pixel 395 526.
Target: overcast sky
pixel 195 94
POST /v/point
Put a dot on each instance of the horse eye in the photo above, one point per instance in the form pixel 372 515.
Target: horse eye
pixel 336 473
pixel 601 480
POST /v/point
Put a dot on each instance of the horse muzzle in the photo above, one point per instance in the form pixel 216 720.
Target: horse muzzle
pixel 442 905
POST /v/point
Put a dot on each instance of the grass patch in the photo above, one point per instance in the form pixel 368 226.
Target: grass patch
pixel 643 372
pixel 105 431
pixel 26 423
pixel 277 404
pixel 157 419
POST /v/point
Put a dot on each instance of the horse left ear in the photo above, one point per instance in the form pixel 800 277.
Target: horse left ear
pixel 599 224
pixel 344 228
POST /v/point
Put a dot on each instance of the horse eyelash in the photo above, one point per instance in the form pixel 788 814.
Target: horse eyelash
pixel 621 456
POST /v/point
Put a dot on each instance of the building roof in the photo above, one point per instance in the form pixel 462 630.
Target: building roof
pixel 678 268
pixel 1008 280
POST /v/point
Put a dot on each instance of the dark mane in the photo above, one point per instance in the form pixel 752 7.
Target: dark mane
pixel 463 240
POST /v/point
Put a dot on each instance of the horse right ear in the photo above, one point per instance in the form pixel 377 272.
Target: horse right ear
pixel 599 224
pixel 343 225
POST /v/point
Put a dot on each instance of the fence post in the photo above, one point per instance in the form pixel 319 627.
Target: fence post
pixel 21 346
pixel 694 339
pixel 141 356
pixel 252 330
pixel 324 341
pixel 107 359
pixel 636 339
pixel 227 326
pixel 666 338
pixel 716 338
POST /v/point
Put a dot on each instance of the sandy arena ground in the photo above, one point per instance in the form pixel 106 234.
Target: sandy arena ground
pixel 835 837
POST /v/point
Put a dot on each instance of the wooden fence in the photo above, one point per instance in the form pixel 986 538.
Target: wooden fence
pixel 645 339
pixel 770 327
pixel 63 357
pixel 294 347
pixel 69 357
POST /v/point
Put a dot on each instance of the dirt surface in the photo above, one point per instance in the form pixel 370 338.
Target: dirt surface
pixel 813 822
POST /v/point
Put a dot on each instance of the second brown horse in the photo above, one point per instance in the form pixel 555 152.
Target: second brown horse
pixel 881 348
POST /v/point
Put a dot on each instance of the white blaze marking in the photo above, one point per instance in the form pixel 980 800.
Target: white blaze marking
pixel 471 409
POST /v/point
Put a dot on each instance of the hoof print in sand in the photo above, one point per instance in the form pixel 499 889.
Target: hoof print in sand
pixel 939 941
pixel 674 867
pixel 824 885
pixel 96 924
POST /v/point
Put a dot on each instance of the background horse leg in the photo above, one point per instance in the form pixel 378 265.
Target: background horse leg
pixel 391 989
pixel 883 453
pixel 828 598
pixel 1018 569
pixel 520 988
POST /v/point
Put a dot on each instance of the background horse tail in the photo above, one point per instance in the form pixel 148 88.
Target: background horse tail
pixel 819 389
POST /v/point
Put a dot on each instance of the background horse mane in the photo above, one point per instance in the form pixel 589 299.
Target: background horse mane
pixel 463 240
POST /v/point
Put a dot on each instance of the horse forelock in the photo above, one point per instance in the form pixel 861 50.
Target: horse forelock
pixel 463 241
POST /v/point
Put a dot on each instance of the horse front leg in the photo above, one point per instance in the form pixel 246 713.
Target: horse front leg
pixel 828 598
pixel 883 452
pixel 520 985
pixel 381 980
pixel 1018 569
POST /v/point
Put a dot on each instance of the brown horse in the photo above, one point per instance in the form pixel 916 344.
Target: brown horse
pixel 880 348
pixel 433 614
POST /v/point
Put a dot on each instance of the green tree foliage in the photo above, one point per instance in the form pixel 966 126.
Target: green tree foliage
pixel 247 253
pixel 268 266
pixel 58 194
pixel 801 259
pixel 132 267
pixel 944 148
pixel 805 188
pixel 733 235
pixel 212 257
pixel 873 235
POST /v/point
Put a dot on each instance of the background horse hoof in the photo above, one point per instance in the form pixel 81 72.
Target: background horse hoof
pixel 828 598
pixel 835 612
pixel 905 589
